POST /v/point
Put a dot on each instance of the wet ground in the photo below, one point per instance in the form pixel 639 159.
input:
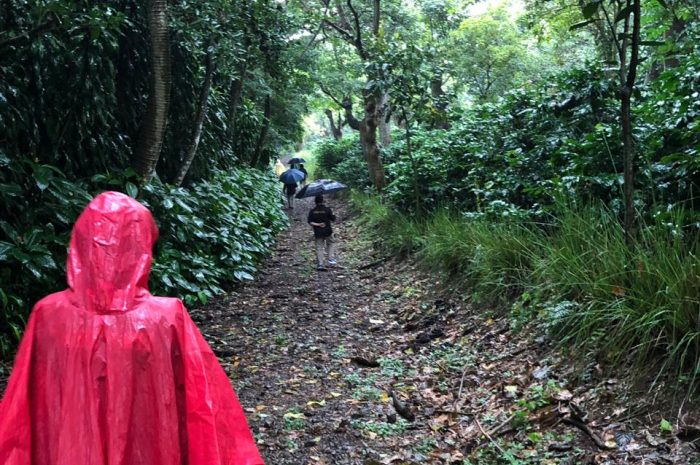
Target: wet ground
pixel 374 362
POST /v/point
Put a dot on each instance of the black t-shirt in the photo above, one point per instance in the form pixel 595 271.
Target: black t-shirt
pixel 322 214
pixel 290 189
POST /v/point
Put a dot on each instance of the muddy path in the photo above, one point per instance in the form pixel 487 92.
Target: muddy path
pixel 371 363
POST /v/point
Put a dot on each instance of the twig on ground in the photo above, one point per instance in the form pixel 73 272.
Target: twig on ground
pixel 586 429
pixel 375 263
pixel 501 425
pixel 461 381
pixel 488 436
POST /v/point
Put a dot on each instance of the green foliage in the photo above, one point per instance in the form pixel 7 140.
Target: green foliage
pixel 492 259
pixel 393 231
pixel 75 83
pixel 38 206
pixel 497 58
pixel 211 235
pixel 519 154
pixel 342 161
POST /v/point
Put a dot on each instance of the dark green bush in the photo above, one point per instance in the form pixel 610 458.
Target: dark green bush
pixel 517 155
pixel 213 233
pixel 343 161
pixel 560 141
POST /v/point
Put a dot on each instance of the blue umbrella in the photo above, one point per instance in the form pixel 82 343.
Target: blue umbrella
pixel 291 176
pixel 320 187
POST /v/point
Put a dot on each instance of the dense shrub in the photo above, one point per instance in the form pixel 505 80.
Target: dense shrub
pixel 559 141
pixel 520 153
pixel 212 233
pixel 343 161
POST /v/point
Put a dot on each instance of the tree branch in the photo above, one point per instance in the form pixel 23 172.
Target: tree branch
pixel 341 15
pixel 358 31
pixel 344 34
pixel 353 122
pixel 328 93
pixel 36 31
pixel 613 31
pixel 375 18
pixel 634 58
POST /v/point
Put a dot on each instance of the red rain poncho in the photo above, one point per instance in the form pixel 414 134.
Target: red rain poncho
pixel 108 374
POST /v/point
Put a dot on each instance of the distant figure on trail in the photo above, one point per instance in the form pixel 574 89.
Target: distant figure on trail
pixel 109 374
pixel 320 218
pixel 279 168
pixel 289 190
pixel 306 174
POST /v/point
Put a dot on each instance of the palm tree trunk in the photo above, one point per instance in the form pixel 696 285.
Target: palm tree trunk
pixel 198 121
pixel 257 155
pixel 152 130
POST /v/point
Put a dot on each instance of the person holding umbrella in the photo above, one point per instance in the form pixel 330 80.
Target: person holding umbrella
pixel 289 190
pixel 320 218
pixel 290 178
pixel 306 174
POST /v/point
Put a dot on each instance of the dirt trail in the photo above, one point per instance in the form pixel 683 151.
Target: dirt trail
pixel 372 363
pixel 322 361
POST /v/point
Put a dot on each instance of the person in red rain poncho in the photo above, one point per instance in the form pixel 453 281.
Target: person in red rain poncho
pixel 108 374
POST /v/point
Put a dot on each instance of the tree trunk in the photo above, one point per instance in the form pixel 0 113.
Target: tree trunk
pixel 203 103
pixel 384 122
pixel 439 102
pixel 263 133
pixel 235 99
pixel 353 122
pixel 414 166
pixel 336 130
pixel 368 138
pixel 150 138
pixel 626 93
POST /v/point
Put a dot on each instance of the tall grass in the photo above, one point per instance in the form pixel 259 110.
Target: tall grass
pixel 633 302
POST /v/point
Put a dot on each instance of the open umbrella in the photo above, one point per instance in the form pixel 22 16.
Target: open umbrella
pixel 291 176
pixel 320 187
pixel 296 161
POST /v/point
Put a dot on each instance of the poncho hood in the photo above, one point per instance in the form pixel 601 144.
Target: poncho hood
pixel 110 253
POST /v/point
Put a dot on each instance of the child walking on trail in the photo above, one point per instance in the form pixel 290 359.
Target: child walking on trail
pixel 289 190
pixel 320 218
pixel 306 174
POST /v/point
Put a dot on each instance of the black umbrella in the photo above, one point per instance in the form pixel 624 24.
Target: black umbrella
pixel 320 187
pixel 296 161
pixel 292 176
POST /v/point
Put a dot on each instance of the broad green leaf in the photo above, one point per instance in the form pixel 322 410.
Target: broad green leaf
pixel 132 190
